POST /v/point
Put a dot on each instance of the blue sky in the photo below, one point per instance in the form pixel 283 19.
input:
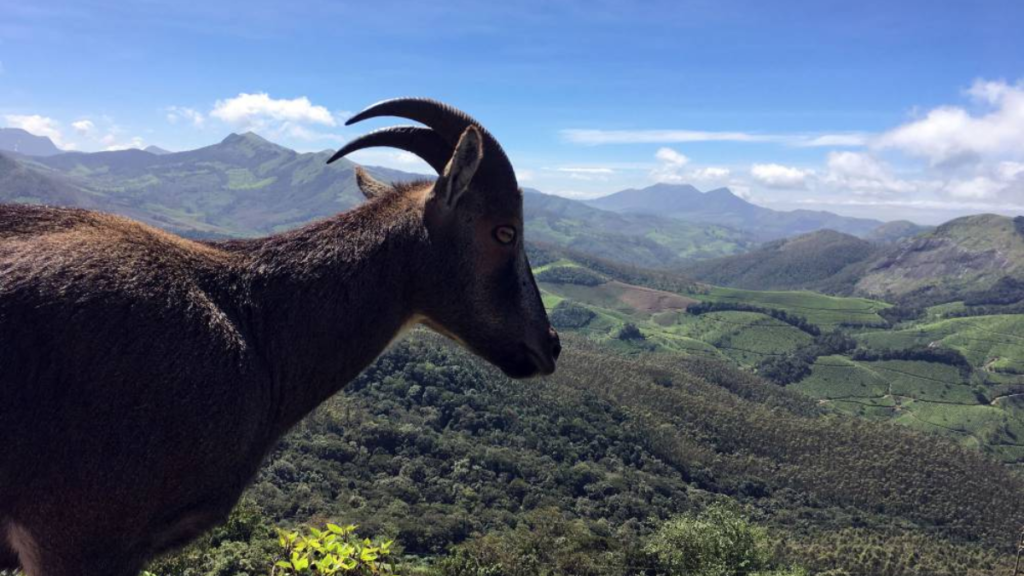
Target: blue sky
pixel 887 109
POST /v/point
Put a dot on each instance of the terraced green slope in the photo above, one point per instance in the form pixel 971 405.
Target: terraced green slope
pixel 926 396
pixel 990 343
pixel 743 337
pixel 825 311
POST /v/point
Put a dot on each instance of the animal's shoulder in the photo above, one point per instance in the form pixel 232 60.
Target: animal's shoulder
pixel 22 221
pixel 69 250
pixel 106 269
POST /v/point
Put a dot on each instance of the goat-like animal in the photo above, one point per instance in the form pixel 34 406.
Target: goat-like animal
pixel 144 377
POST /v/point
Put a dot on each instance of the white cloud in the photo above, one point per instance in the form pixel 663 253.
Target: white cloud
pixel 575 170
pixel 586 173
pixel 742 190
pixel 258 110
pixel 399 160
pixel 577 194
pixel 38 125
pixel 670 156
pixel 83 127
pixel 525 175
pixel 671 167
pixel 711 173
pixel 977 188
pixel 111 143
pixel 1002 182
pixel 863 174
pixel 1010 170
pixel 779 176
pixel 951 135
pixel 835 140
pixel 675 168
pixel 963 206
pixel 180 113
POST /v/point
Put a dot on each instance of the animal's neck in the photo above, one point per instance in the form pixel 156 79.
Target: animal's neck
pixel 329 298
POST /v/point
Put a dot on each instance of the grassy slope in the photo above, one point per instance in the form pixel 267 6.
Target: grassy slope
pixel 924 396
pixel 825 311
pixel 743 337
pixel 992 343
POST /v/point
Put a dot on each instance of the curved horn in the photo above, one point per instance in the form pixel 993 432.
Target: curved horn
pixel 450 123
pixel 422 142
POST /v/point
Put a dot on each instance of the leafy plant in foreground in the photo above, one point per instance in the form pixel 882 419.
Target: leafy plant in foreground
pixel 333 550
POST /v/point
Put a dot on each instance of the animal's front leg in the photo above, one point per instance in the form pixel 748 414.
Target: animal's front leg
pixel 60 551
pixel 8 557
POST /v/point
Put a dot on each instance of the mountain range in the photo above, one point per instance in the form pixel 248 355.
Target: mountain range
pixel 721 206
pixel 248 186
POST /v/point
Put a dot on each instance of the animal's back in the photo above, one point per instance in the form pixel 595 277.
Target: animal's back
pixel 103 319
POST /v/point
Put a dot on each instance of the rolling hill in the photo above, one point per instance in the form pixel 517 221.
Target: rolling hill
pixel 969 253
pixel 721 206
pixel 820 260
pixel 896 230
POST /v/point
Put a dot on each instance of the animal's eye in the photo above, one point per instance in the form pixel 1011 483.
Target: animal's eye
pixel 505 234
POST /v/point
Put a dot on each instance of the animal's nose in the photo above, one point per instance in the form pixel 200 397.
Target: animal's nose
pixel 556 344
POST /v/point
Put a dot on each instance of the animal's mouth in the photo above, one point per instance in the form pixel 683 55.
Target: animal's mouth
pixel 544 363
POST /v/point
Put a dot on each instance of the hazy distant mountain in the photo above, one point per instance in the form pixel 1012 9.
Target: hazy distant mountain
pixel 156 150
pixel 21 184
pixel 896 230
pixel 22 142
pixel 721 206
pixel 639 239
pixel 242 186
pixel 247 186
pixel 963 256
pixel 824 260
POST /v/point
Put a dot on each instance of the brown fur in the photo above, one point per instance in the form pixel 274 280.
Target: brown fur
pixel 143 377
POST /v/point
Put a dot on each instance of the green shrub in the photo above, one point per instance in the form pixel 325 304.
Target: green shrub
pixel 629 331
pixel 570 275
pixel 546 543
pixel 716 542
pixel 568 314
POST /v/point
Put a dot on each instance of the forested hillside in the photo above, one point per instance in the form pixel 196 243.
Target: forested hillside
pixel 435 448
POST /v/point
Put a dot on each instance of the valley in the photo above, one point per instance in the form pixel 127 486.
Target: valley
pixel 887 373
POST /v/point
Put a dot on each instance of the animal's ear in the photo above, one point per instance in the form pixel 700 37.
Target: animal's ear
pixel 461 168
pixel 370 187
